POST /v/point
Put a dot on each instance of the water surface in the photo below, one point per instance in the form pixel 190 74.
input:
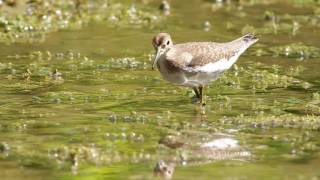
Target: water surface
pixel 104 116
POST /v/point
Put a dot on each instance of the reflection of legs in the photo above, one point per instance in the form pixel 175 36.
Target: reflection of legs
pixel 196 91
pixel 201 90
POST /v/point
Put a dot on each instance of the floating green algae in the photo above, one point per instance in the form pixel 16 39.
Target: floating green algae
pixel 31 21
pixel 84 103
pixel 297 50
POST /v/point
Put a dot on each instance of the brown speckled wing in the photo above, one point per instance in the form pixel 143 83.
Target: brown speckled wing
pixel 206 53
pixel 195 54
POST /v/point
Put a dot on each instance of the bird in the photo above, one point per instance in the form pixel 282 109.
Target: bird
pixel 196 64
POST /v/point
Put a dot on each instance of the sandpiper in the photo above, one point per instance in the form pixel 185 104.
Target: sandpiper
pixel 195 64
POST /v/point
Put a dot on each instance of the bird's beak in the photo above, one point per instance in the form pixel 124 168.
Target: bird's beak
pixel 156 58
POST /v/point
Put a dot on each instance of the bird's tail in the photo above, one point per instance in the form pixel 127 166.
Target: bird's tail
pixel 245 41
pixel 249 38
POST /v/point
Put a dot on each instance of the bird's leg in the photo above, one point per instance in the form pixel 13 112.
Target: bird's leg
pixel 196 99
pixel 196 91
pixel 202 100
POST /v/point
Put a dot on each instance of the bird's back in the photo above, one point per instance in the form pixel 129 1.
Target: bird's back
pixel 195 54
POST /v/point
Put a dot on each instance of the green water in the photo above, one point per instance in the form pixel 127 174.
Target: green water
pixel 104 116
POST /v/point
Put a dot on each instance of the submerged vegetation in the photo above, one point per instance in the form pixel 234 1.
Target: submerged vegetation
pixel 78 98
pixel 35 19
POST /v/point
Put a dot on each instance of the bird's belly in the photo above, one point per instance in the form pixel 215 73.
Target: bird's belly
pixel 201 78
pixel 189 79
pixel 185 78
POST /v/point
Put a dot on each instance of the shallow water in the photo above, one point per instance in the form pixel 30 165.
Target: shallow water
pixel 104 116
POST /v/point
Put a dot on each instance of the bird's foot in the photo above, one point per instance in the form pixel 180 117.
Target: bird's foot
pixel 202 110
pixel 195 100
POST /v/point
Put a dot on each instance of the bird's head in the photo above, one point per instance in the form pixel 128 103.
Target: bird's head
pixel 161 43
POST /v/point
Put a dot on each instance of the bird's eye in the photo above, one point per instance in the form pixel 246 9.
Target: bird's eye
pixel 168 42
